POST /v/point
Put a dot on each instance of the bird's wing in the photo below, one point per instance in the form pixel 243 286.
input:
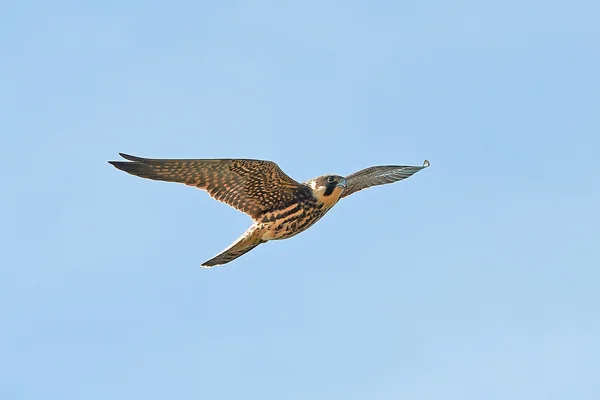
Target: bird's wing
pixel 251 186
pixel 379 175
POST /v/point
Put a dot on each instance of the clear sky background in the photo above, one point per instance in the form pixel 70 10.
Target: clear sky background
pixel 475 279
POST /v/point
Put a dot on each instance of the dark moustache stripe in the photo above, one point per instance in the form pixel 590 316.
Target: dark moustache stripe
pixel 329 190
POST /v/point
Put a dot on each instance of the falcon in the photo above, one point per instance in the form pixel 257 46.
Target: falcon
pixel 279 206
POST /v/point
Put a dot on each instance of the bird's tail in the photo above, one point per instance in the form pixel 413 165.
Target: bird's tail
pixel 249 240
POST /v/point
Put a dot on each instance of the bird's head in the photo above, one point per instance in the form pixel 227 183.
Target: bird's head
pixel 328 188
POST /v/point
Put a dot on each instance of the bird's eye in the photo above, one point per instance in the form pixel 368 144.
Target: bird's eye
pixel 330 179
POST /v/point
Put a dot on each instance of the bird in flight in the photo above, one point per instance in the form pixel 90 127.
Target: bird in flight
pixel 279 206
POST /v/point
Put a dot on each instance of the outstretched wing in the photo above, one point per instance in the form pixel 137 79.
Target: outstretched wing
pixel 251 186
pixel 379 175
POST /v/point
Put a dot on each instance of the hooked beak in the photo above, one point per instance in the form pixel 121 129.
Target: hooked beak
pixel 342 183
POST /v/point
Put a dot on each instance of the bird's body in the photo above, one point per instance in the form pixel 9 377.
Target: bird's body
pixel 280 206
pixel 300 214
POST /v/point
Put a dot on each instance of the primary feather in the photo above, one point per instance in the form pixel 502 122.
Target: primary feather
pixel 380 175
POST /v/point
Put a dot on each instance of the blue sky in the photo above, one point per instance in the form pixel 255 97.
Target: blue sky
pixel 474 279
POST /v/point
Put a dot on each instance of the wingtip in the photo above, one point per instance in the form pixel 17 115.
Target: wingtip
pixel 426 164
pixel 122 165
pixel 129 157
pixel 208 264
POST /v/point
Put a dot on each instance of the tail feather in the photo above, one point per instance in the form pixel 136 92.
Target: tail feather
pixel 249 240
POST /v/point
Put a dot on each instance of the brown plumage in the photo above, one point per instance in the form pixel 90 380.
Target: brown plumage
pixel 280 206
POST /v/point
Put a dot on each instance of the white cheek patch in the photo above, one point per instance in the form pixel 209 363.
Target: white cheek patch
pixel 313 184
